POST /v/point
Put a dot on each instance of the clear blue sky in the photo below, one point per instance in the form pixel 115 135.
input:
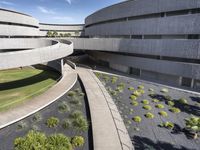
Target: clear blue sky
pixel 57 11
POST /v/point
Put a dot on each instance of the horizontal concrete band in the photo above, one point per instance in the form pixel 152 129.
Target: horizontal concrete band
pixel 184 24
pixel 15 17
pixel 34 56
pixel 165 47
pixel 133 8
pixel 160 66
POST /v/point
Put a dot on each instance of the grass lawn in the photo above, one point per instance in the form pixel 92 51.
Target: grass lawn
pixel 19 85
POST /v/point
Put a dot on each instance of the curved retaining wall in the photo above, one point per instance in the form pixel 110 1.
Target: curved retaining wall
pixel 21 58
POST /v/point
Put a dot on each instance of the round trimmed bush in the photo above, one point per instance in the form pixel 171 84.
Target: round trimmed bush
pixel 131 88
pixel 77 141
pixel 146 102
pixel 134 103
pixel 175 110
pixel 133 97
pixel 52 122
pixel 149 115
pixel 163 113
pixel 155 100
pixel 137 119
pixel 183 101
pixel 160 106
pixel 147 107
pixel 170 103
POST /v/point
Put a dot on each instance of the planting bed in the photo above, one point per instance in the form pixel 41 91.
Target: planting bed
pixel 65 114
pixel 154 116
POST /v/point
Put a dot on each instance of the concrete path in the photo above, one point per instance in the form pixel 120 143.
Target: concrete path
pixel 29 107
pixel 109 132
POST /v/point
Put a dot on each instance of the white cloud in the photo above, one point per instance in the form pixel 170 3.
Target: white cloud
pixel 6 3
pixel 45 10
pixel 69 1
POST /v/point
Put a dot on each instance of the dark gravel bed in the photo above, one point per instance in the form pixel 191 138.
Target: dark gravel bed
pixel 9 133
pixel 148 134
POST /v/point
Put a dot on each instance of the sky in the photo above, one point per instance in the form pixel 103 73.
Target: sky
pixel 57 11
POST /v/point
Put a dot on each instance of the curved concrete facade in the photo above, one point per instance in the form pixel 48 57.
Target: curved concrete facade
pixel 160 41
pixel 17 24
pixel 74 30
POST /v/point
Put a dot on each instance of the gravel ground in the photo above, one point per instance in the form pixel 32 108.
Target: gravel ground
pixel 8 134
pixel 148 134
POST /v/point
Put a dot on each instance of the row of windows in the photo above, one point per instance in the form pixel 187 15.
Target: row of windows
pixel 148 16
pixel 18 24
pixel 188 36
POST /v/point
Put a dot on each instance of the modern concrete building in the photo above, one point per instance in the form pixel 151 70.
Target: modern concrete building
pixel 159 42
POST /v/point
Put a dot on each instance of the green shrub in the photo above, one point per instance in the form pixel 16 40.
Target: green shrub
pixel 149 115
pixel 131 88
pixel 114 80
pixel 155 100
pixel 133 97
pixel 140 87
pixel 160 106
pixel 147 107
pixel 66 124
pixel 137 119
pixel 164 90
pixel 114 93
pixel 193 123
pixel 21 125
pixel 163 113
pixel 52 122
pixel 37 117
pixel 141 91
pixel 167 124
pixel 151 90
pixel 170 103
pixel 80 124
pixel 71 93
pixel 63 107
pixel 175 110
pixel 76 114
pixel 34 140
pixel 146 102
pixel 35 128
pixel 134 103
pixel 168 98
pixel 77 141
pixel 183 101
pixel 137 93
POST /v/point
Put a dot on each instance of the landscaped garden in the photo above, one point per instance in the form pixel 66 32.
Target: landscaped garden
pixel 19 85
pixel 63 125
pixel 156 117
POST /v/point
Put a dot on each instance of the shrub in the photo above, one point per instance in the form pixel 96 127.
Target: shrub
pixel 168 98
pixel 133 97
pixel 163 113
pixel 52 122
pixel 66 124
pixel 149 115
pixel 146 102
pixel 151 90
pixel 141 91
pixel 137 93
pixel 114 80
pixel 80 124
pixel 175 110
pixel 21 125
pixel 63 107
pixel 77 141
pixel 164 90
pixel 193 123
pixel 170 103
pixel 140 87
pixel 160 106
pixel 137 119
pixel 35 128
pixel 147 107
pixel 182 101
pixel 76 114
pixel 37 117
pixel 131 88
pixel 155 100
pixel 134 103
pixel 167 124
pixel 71 93
pixel 114 93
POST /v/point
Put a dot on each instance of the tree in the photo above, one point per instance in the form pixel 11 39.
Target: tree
pixel 49 34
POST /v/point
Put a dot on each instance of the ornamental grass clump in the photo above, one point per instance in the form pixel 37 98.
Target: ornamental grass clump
pixel 170 103
pixel 114 80
pixel 134 103
pixel 163 113
pixel 77 141
pixel 52 122
pixel 183 101
pixel 146 102
pixel 164 90
pixel 155 100
pixel 175 110
pixel 137 119
pixel 63 107
pixel 168 125
pixel 147 107
pixel 192 126
pixel 149 115
pixel 160 106
pixel 133 97
pixel 131 88
pixel 141 87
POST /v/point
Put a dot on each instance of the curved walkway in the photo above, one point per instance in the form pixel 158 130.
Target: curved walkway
pixel 66 83
pixel 109 132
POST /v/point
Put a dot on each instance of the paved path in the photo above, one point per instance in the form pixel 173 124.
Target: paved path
pixel 109 132
pixel 41 101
